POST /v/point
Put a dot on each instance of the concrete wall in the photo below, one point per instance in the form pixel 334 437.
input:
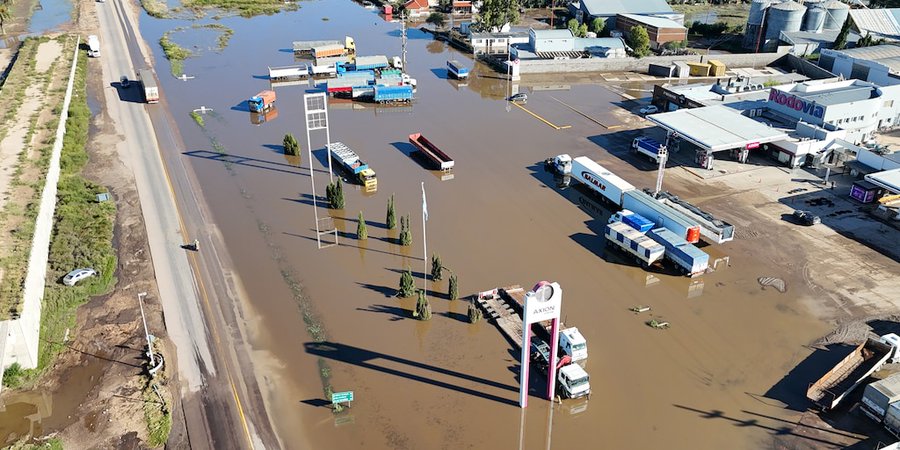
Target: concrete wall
pixel 20 342
pixel 640 65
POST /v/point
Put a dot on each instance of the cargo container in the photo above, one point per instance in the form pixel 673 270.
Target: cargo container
pixel 368 75
pixel 892 419
pixel 323 70
pixel 879 395
pixel 332 61
pixel 689 259
pixel 345 85
pixel 351 162
pixel 633 220
pixel 699 69
pixel 431 151
pixel 371 62
pixel 457 70
pixel 828 391
pixel 393 94
pixel 716 68
pixel 328 50
pixel 306 47
pixel 647 146
pixel 361 92
pixel 148 82
pixel 262 101
pixel 622 236
pixel 715 230
pixel 661 214
pixel 602 181
pixel 285 73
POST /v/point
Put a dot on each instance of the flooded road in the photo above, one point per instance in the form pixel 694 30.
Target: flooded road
pixel 500 220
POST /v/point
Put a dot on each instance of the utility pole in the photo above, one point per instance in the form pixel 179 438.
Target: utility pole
pixel 141 296
pixel 403 39
pixel 662 155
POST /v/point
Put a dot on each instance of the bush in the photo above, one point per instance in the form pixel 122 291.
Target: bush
pixel 437 268
pixel 405 235
pixel 334 192
pixel 407 285
pixel 362 232
pixel 474 313
pixel 453 292
pixel 423 308
pixel 291 147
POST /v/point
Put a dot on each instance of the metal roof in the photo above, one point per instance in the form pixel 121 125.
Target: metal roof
pixel 874 53
pixel 370 60
pixel 553 34
pixel 613 7
pixel 883 22
pixel 716 127
pixel 584 43
pixel 888 179
pixel 839 95
pixel 656 22
pixel 812 37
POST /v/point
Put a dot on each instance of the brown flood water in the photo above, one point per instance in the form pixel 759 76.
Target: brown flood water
pixel 499 221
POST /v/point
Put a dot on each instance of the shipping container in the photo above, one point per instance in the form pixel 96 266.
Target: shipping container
pixel 328 50
pixel 602 181
pixel 457 70
pixel 661 214
pixel 392 94
pixel 306 47
pixel 892 419
pixel 688 258
pixel 879 395
pixel 699 69
pixel 716 68
pixel 371 62
pixel 634 242
pixel 633 220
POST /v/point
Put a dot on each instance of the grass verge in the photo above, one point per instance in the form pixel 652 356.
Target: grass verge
pixel 175 53
pixel 245 8
pixel 49 444
pixel 157 414
pixel 82 236
pixel 197 118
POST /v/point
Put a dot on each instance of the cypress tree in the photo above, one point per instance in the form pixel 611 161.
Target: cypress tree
pixel 391 219
pixel 454 288
pixel 361 231
pixel 406 284
pixel 436 267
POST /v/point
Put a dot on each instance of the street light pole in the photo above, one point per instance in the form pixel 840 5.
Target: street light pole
pixel 141 296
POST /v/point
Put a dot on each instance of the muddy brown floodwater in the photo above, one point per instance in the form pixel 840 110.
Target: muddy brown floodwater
pixel 500 220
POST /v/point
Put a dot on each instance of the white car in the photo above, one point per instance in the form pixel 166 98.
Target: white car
pixel 77 275
pixel 649 109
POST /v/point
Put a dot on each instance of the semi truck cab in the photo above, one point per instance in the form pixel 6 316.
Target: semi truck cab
pixel 573 344
pixel 574 382
pixel 562 164
pixel 367 178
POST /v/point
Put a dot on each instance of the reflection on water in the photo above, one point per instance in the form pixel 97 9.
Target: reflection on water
pixel 49 15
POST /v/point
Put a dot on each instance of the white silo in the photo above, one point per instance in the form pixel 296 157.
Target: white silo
pixel 836 13
pixel 814 17
pixel 787 16
pixel 755 21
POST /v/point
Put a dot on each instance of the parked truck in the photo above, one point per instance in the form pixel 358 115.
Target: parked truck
pixel 393 94
pixel 879 395
pixel 93 46
pixel 828 391
pixel 148 82
pixel 285 73
pixel 645 250
pixel 456 70
pixel 323 70
pixel 892 420
pixel 600 180
pixel 352 163
pixel 661 214
pixel 306 47
pixel 572 381
pixel 689 259
pixel 262 101
pixel 431 152
pixel 647 146
pixel 371 62
pixel 636 221
pixel 712 228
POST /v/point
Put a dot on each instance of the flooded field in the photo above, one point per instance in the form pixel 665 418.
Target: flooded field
pixel 49 15
pixel 707 382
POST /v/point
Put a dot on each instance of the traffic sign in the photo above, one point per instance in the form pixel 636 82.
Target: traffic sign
pixel 341 397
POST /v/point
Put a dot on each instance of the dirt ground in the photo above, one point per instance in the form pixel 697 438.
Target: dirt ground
pixel 91 397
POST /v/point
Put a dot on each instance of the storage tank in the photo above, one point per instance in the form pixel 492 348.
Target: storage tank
pixel 814 18
pixel 836 13
pixel 755 22
pixel 787 16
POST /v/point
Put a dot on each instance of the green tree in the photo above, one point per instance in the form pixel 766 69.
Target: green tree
pixel 496 13
pixel 361 231
pixel 868 41
pixel 840 42
pixel 407 285
pixel 423 308
pixel 391 219
pixel 597 25
pixel 572 25
pixel 639 41
pixel 291 147
pixel 582 30
pixel 474 313
pixel 4 15
pixel 437 269
pixel 405 235
pixel 334 193
pixel 453 292
pixel 437 19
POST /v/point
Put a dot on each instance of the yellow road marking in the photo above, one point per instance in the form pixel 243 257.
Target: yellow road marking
pixel 193 262
pixel 556 127
pixel 613 127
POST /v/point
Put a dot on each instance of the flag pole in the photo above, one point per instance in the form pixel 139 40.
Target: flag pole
pixel 424 241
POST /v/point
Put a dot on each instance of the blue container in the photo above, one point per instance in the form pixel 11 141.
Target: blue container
pixel 638 222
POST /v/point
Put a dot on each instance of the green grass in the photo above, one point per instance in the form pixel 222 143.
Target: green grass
pixel 245 8
pixel 158 416
pixel 175 53
pixel 155 8
pixel 82 235
pixel 732 14
pixel 197 118
pixel 49 444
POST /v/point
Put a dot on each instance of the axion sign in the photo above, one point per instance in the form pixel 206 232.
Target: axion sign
pixel 796 103
pixel 542 303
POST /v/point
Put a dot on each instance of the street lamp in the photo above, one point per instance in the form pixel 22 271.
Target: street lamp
pixel 141 296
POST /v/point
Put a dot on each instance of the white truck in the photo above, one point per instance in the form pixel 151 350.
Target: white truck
pixel 609 185
pixel 647 146
pixel 573 344
pixel 93 43
pixel 572 381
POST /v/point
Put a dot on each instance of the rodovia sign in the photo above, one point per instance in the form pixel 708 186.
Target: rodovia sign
pixel 543 302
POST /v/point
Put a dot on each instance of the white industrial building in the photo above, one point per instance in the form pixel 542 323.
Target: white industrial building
pixel 879 64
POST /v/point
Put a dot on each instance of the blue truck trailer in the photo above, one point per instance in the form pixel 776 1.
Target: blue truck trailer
pixel 687 257
pixel 457 70
pixel 393 94
pixel 371 62
pixel 636 221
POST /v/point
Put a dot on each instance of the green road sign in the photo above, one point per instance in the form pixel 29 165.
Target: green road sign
pixel 342 397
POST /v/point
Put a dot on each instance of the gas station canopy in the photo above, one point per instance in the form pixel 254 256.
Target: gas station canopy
pixel 717 128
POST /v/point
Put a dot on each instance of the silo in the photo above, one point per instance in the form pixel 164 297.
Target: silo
pixel 755 22
pixel 787 16
pixel 814 18
pixel 836 13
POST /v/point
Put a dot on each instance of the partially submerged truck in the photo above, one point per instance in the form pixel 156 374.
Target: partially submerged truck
pixel 646 146
pixel 431 152
pixel 572 381
pixel 262 101
pixel 629 240
pixel 686 257
pixel 352 163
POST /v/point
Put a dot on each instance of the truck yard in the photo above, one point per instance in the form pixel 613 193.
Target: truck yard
pixel 731 367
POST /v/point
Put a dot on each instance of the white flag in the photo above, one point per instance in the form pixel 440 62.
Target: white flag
pixel 424 203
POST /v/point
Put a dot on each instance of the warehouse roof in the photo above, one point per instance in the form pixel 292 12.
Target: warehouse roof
pixel 613 7
pixel 716 127
pixel 874 53
pixel 884 22
pixel 655 22
pixel 888 179
pixel 812 37
pixel 584 43
pixel 552 34
pixel 838 95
